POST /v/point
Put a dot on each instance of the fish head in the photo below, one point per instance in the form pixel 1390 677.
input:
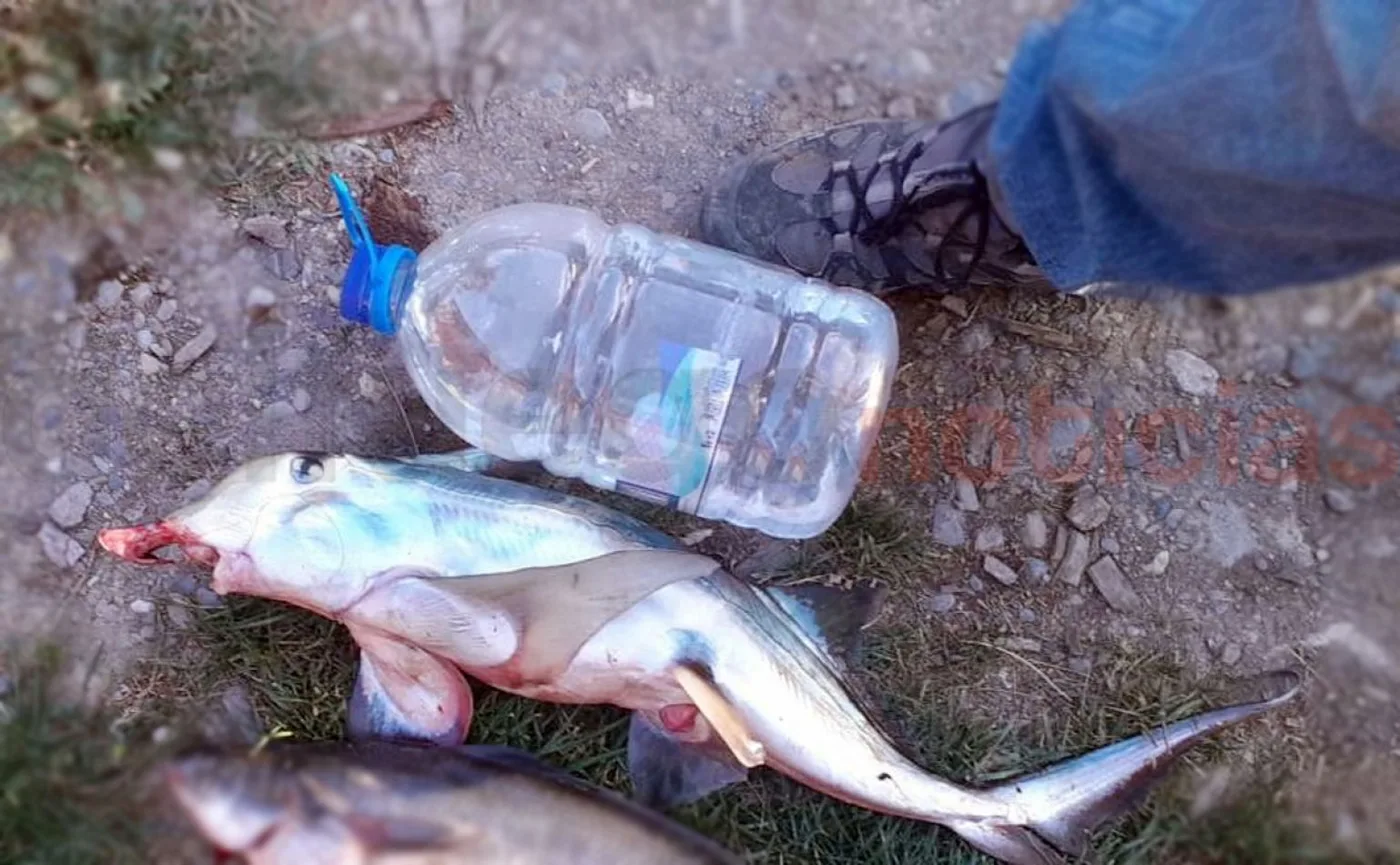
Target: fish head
pixel 258 809
pixel 285 526
pixel 237 805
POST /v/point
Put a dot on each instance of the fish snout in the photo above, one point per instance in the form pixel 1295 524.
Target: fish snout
pixel 137 543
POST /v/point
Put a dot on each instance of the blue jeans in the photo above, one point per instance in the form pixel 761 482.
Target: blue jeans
pixel 1212 146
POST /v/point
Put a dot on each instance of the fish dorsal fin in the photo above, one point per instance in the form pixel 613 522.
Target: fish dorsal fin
pixel 832 618
pixel 473 460
pixel 559 608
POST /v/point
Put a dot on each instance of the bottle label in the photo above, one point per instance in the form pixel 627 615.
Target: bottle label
pixel 676 428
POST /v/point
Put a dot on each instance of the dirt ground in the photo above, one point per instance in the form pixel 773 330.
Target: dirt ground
pixel 1252 508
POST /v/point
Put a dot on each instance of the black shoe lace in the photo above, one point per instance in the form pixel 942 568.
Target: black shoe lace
pixel 939 187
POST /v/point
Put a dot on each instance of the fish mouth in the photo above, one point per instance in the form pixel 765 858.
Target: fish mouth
pixel 138 543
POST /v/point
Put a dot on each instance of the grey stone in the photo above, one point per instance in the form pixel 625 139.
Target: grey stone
pixel 989 538
pixel 109 294
pixel 280 410
pixel 1231 654
pixel 387 156
pixel 149 364
pixel 1192 375
pixel 292 359
pixel 966 494
pixel 999 571
pixel 1061 540
pixel 142 607
pixel 1377 387
pixel 1109 579
pixel 941 602
pixel 141 292
pixel 1305 362
pixel 58 547
pixel 301 400
pixel 553 84
pixel 208 598
pixel 668 201
pixel 1158 565
pixel 1088 511
pixel 844 96
pixel 1037 570
pixel 590 125
pixel 901 108
pixel 179 616
pixel 1109 544
pixel 1071 569
pixel 1339 500
pixel 167 309
pixel 1026 615
pixel 975 585
pixel 195 348
pixel 260 298
pixel 267 228
pixel 947 527
pixel 233 721
pixel 976 338
pixel 1231 537
pixel 1035 534
pixel 1174 517
pixel 197 490
pixel 71 505
pixel 638 100
pixel 914 64
pixel 1019 644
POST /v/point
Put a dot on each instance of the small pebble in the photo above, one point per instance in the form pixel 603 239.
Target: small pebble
pixel 975 584
pixel 901 108
pixel 208 598
pixel 1231 654
pixel 999 571
pixel 966 494
pixel 167 309
pixel 109 294
pixel 1109 544
pixel 845 96
pixel 1088 511
pixel 142 607
pixel 1037 570
pixel 370 387
pixel 1036 532
pixel 260 298
pixel 58 547
pixel 1339 500
pixel 195 348
pixel 71 505
pixel 1109 579
pixel 301 400
pixel 149 364
pixel 989 538
pixel 1026 615
pixel 1193 376
pixel 942 603
pixel 590 125
pixel 141 292
pixel 947 526
pixel 1158 565
pixel 1322 554
pixel 280 410
pixel 639 101
pixel 162 735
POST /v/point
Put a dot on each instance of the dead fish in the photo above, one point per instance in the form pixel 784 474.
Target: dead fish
pixel 376 803
pixel 436 569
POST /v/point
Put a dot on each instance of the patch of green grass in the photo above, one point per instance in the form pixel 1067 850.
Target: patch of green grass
pixel 96 95
pixel 66 775
pixel 932 692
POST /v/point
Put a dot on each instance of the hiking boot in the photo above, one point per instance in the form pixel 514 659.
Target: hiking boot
pixel 879 205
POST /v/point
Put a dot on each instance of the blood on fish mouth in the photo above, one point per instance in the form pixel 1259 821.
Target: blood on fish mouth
pixel 137 543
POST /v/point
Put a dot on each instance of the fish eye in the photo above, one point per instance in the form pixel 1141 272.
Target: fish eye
pixel 307 470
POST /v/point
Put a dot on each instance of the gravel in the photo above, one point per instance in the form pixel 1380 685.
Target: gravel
pixel 965 494
pixel 58 547
pixel 71 505
pixel 947 526
pixel 590 125
pixel 1088 511
pixel 1192 375
pixel 1076 558
pixel 988 539
pixel 1339 500
pixel 1158 565
pixel 1109 579
pixel 1036 532
pixel 195 348
pixel 999 571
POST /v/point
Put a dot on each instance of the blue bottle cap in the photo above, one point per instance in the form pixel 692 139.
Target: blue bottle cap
pixel 379 278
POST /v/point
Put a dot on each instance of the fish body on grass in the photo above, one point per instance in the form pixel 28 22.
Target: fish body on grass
pixel 376 803
pixel 436 569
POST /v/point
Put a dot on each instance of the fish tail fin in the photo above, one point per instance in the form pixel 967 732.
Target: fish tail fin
pixel 1061 806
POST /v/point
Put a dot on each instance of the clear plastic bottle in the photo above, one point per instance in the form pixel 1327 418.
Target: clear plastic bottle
pixel 644 363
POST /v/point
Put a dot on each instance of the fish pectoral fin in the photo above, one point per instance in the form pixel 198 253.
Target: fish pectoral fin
pixel 558 609
pixel 403 692
pixel 834 618
pixel 726 720
pixel 667 773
